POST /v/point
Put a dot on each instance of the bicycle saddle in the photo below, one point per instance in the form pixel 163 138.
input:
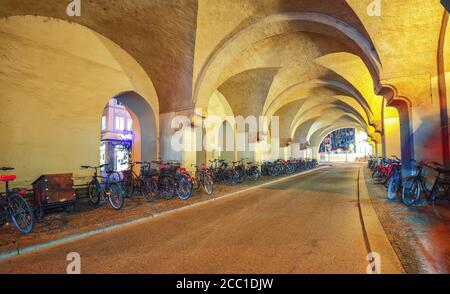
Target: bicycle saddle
pixel 7 178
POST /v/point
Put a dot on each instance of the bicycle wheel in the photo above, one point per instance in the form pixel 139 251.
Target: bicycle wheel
pixel 290 168
pixel 411 191
pixel 230 177
pixel 184 187
pixel 150 189
pixel 128 187
pixel 166 187
pixel 116 195
pixel 440 198
pixel 253 174
pixel 241 176
pixel 392 192
pixel 198 181
pixel 208 184
pixel 375 173
pixel 21 213
pixel 94 194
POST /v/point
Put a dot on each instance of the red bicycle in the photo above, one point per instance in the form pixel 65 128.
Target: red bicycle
pixel 12 204
pixel 383 172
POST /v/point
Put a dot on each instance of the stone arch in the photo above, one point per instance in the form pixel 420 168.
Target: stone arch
pixel 276 24
pixel 61 97
pixel 145 125
pixel 443 67
pixel 403 106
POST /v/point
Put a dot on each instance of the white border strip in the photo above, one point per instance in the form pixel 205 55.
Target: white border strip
pixel 76 237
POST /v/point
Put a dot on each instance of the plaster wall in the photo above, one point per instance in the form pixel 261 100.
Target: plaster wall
pixel 55 81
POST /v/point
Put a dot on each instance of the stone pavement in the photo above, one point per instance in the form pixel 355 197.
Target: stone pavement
pixel 419 238
pixel 88 217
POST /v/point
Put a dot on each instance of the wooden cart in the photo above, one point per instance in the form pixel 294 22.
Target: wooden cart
pixel 53 192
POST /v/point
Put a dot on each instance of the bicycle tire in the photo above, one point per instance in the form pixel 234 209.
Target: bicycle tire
pixel 116 196
pixel 21 213
pixel 151 190
pixel 230 177
pixel 411 192
pixel 242 175
pixel 128 187
pixel 392 191
pixel 254 174
pixel 441 202
pixel 184 187
pixel 166 187
pixel 208 185
pixel 94 194
pixel 198 182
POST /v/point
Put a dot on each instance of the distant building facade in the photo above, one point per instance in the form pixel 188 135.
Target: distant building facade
pixel 116 136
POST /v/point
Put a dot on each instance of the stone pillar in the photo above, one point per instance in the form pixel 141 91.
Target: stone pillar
pixel 315 152
pixel 166 135
pixel 295 149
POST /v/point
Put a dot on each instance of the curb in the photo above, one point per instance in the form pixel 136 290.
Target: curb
pixel 376 234
pixel 76 237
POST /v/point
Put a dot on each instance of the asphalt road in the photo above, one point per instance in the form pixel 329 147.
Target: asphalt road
pixel 309 224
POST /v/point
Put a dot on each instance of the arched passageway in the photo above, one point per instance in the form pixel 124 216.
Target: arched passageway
pixel 344 145
pixel 52 105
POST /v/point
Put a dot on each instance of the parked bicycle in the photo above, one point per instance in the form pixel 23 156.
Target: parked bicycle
pixel 253 172
pixel 439 194
pixel 203 179
pixel 105 188
pixel 241 170
pixel 394 180
pixel 168 180
pixel 222 172
pixel 13 204
pixel 184 183
pixel 133 182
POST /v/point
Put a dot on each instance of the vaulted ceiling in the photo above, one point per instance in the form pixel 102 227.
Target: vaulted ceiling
pixel 317 64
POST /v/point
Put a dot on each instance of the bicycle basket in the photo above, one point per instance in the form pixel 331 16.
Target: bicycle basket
pixel 168 171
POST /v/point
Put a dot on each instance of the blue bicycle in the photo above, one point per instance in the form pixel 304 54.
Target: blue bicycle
pixel 101 188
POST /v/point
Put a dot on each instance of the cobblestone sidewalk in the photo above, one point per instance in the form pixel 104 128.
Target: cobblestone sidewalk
pixel 420 240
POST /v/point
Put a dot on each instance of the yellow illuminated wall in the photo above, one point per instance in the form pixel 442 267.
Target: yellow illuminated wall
pixel 55 82
pixel 392 132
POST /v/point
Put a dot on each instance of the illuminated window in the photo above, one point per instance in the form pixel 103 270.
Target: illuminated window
pixel 103 123
pixel 120 123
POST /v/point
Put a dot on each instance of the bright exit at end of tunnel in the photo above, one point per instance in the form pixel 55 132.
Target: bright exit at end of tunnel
pixel 214 145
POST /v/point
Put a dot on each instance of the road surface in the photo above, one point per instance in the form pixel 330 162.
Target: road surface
pixel 308 224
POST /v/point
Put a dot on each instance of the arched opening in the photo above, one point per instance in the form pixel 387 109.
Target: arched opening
pixel 116 147
pixel 64 99
pixel 145 141
pixel 128 132
pixel 344 145
pixel 392 132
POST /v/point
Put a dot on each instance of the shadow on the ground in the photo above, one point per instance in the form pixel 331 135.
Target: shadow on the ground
pixel 420 239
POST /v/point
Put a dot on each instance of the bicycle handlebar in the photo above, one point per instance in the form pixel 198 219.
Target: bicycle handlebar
pixel 93 167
